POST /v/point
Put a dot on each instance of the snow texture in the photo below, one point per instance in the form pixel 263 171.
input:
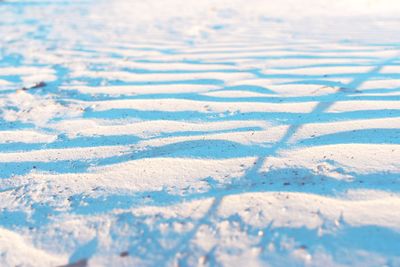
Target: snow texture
pixel 199 133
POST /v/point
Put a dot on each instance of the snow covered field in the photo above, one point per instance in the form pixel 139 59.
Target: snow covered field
pixel 199 133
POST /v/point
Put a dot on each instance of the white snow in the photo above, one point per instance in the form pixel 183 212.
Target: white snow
pixel 199 133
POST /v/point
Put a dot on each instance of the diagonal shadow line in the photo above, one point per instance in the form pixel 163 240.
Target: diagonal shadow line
pixel 252 173
pixel 321 107
pixel 206 219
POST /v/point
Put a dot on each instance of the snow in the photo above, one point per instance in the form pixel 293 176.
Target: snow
pixel 199 133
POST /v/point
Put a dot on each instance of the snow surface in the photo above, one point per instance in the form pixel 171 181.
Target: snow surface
pixel 200 133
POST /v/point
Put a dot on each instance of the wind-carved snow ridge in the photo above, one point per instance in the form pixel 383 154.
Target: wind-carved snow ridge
pixel 199 133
